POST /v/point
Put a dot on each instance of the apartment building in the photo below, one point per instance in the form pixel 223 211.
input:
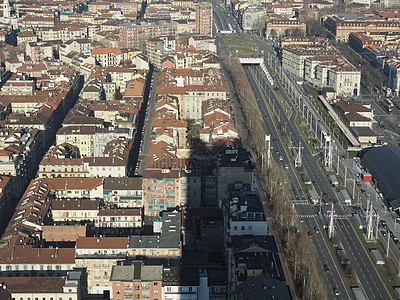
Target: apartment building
pixel 81 136
pixel 108 56
pixel 344 78
pixel 59 287
pixel 279 28
pixel 244 212
pixel 26 37
pixel 341 28
pixel 204 18
pixel 164 243
pixel 20 257
pixel 63 167
pixel 103 136
pixel 75 210
pixel 135 34
pixel 253 18
pixel 123 192
pixel 76 187
pixel 293 57
pixel 97 7
pixel 121 218
pixel 161 190
pixel 98 255
pixel 136 280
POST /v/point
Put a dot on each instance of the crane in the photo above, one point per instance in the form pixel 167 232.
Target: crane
pixel 390 64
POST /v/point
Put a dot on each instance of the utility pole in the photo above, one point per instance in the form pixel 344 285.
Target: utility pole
pixel 377 225
pixel 398 268
pixel 370 216
pixel 297 161
pixel 262 162
pixel 331 229
pixel 320 203
pixel 338 161
pixel 268 146
pixel 387 248
pixel 328 152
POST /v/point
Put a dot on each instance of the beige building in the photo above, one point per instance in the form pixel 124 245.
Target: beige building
pixel 99 255
pixel 75 210
pixel 26 37
pixel 119 218
pixel 76 187
pixel 108 56
pixel 344 78
pixel 81 136
pixel 35 288
pixel 25 257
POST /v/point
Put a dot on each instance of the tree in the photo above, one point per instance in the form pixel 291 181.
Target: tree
pixel 260 25
pixel 315 29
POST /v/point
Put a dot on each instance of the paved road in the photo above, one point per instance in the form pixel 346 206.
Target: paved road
pixel 146 132
pixel 365 271
pixel 370 281
pixel 333 279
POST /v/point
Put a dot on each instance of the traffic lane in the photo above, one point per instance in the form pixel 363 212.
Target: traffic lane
pixel 333 278
pixel 371 282
pixel 295 139
pixel 354 244
pixel 278 148
pixel 308 159
pixel 307 210
pixel 394 251
pixel 262 106
pixel 310 107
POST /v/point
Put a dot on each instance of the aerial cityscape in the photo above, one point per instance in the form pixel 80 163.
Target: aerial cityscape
pixel 199 149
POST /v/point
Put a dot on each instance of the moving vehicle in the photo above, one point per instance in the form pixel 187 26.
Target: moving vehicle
pixel 336 291
pixel 326 268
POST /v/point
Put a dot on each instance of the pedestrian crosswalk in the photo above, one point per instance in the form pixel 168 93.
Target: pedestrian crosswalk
pixel 300 202
pixel 306 216
pixel 342 217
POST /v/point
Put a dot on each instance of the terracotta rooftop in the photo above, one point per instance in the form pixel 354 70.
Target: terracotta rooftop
pixel 102 243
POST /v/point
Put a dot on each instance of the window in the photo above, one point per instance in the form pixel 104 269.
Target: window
pixel 250 227
pixel 243 227
pixel 235 228
pixel 137 288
